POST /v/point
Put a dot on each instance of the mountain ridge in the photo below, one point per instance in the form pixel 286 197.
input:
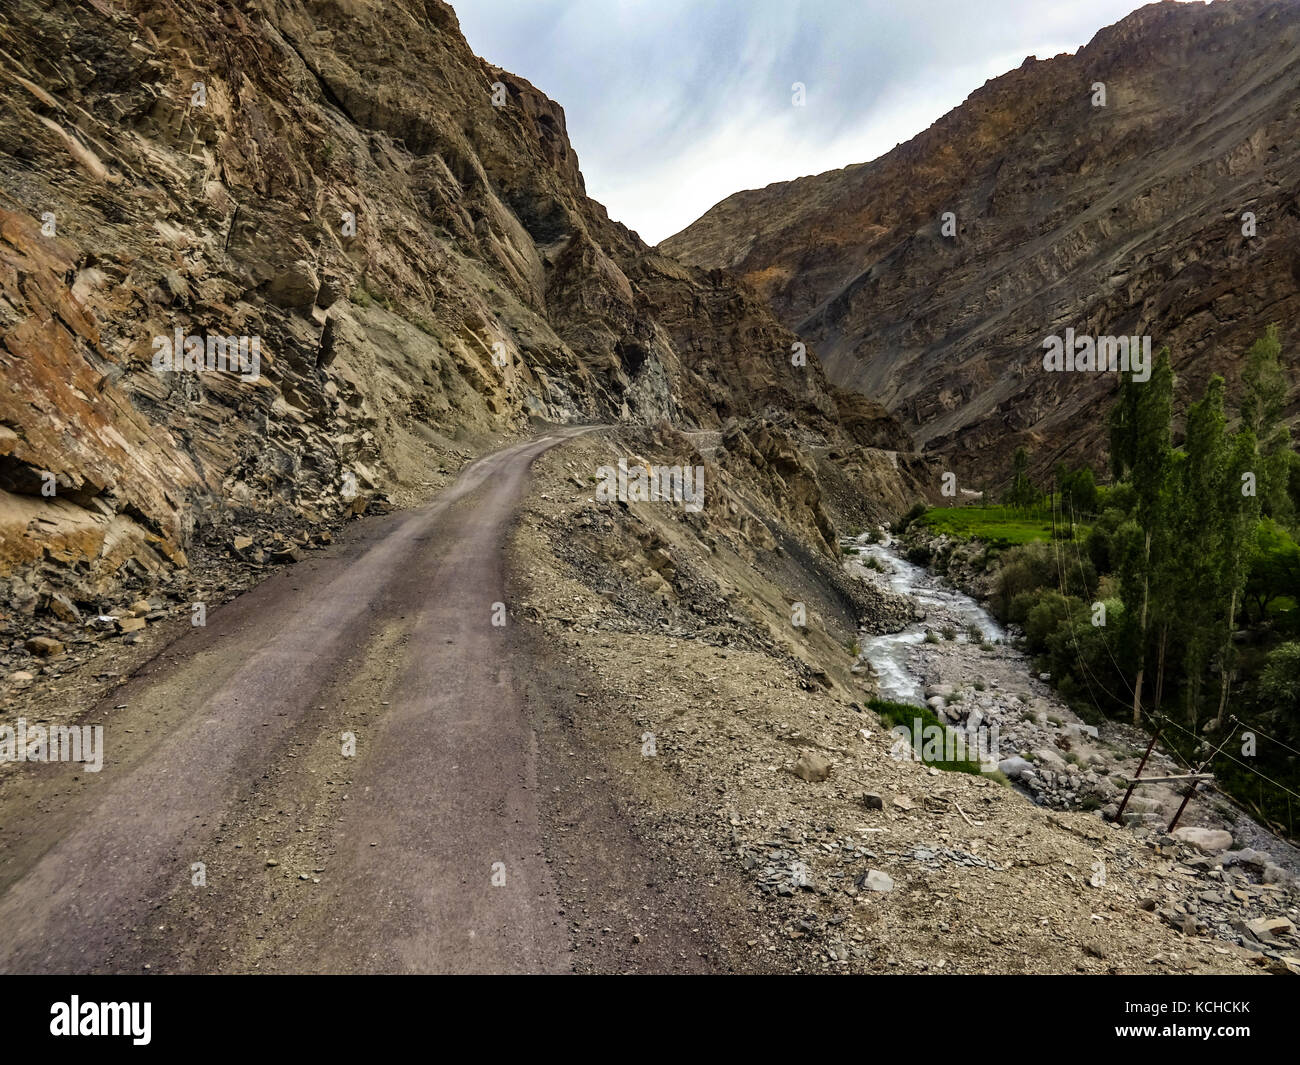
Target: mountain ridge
pixel 1118 219
pixel 404 228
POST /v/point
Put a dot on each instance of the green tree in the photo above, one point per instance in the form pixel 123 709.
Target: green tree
pixel 1240 509
pixel 1078 490
pixel 1141 450
pixel 1022 492
pixel 1274 568
pixel 1263 404
pixel 1198 542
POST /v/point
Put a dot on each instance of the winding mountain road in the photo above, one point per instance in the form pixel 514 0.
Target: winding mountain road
pixel 231 830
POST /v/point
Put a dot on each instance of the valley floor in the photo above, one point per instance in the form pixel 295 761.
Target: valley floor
pixel 603 783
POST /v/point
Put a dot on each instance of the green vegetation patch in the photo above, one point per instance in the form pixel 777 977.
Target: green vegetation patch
pixel 929 736
pixel 996 525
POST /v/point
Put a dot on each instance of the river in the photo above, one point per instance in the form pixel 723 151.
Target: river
pixel 942 605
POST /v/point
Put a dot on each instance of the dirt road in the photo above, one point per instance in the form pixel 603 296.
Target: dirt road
pixel 230 828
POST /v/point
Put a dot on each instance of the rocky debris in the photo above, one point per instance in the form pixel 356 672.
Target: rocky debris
pixel 44 646
pixel 985 879
pixel 933 856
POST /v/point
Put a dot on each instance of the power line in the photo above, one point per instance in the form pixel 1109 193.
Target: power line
pixel 1248 768
pixel 1256 728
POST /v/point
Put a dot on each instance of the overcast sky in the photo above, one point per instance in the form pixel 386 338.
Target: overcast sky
pixel 673 105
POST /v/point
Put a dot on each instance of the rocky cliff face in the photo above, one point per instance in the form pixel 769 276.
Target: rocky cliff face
pixel 1115 220
pixel 399 227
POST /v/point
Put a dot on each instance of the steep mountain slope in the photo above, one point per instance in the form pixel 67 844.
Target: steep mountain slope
pixel 400 226
pixel 1116 220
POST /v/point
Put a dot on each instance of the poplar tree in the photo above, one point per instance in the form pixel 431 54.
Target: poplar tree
pixel 1263 404
pixel 1198 541
pixel 1240 510
pixel 1141 450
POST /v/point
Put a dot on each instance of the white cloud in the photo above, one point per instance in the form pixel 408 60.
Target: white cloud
pixel 673 105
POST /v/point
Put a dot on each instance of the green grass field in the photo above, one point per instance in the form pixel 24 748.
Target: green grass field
pixel 1000 526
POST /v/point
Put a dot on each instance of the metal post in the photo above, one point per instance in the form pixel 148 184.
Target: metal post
pixel 1119 815
pixel 1191 788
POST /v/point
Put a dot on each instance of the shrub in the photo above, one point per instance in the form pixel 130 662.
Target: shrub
pixel 893 714
pixel 917 511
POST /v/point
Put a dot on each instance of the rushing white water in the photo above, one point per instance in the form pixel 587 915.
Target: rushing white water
pixel 940 603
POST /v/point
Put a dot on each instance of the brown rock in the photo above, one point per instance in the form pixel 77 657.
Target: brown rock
pixel 812 767
pixel 63 608
pixel 44 646
pixel 295 286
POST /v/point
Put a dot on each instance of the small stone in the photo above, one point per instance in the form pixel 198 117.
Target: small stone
pixel 63 609
pixel 44 646
pixel 875 880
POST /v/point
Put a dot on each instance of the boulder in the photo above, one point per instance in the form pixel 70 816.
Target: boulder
pixel 294 287
pixel 1205 840
pixel 812 767
pixel 63 609
pixel 1049 759
pixel 1246 856
pixel 1015 768
pixel 1265 928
